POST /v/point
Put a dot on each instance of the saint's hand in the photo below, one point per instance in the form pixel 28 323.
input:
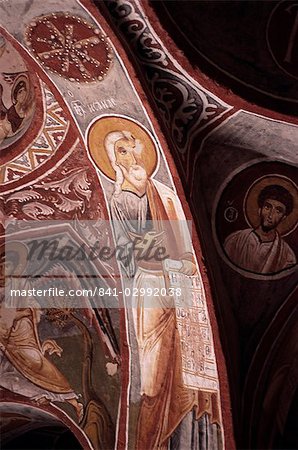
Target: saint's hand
pixel 136 175
pixel 188 267
pixel 51 347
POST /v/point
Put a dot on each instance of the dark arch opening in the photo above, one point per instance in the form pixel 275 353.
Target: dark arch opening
pixel 44 438
pixel 29 427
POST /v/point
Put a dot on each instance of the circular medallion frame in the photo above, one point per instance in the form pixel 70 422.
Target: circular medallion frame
pixel 70 47
pixel 238 192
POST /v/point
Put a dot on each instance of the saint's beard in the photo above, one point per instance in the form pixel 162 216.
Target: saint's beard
pixel 267 228
pixel 137 177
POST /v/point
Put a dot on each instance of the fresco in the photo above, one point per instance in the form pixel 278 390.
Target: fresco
pixel 245 194
pixel 49 352
pixel 17 97
pixel 268 206
pixel 70 47
pixel 134 375
pixel 226 156
pixel 145 208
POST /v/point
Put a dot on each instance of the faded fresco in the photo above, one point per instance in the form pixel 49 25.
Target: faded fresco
pixel 249 219
pixel 268 206
pixel 176 382
pixel 239 168
pixel 17 102
pixel 77 144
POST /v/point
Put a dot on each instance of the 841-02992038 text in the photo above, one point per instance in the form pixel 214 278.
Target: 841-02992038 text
pixel 135 292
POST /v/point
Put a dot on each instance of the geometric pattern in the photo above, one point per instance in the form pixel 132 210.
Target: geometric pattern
pixel 69 46
pixel 45 145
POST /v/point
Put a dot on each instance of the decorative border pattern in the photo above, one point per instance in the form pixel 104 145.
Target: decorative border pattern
pixel 46 144
pixel 185 107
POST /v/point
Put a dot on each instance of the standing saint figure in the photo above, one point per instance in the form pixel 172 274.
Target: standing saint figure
pixel 141 205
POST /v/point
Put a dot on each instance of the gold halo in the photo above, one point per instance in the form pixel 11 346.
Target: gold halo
pixel 16 82
pixel 105 125
pixel 251 208
pixel 21 250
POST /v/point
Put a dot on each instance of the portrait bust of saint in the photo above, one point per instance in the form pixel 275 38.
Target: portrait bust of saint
pixel 17 95
pixel 271 210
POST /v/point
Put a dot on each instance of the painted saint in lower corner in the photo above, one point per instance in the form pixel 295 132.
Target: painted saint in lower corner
pixel 271 210
pixel 25 366
pixel 29 367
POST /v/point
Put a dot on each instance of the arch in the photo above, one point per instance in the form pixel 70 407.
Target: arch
pixel 28 418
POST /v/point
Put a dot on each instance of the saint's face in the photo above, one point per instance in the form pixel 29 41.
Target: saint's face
pixel 125 153
pixel 21 95
pixel 272 213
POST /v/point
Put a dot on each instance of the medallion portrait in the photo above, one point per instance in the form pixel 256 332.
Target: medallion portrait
pixel 257 227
